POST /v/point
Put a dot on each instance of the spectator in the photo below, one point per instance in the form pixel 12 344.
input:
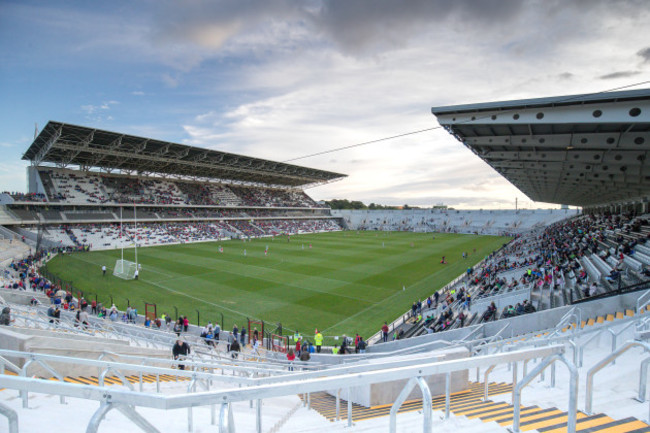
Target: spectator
pixel 385 330
pixel 235 348
pixel 344 345
pixel 361 345
pixel 291 356
pixel 5 316
pixel 178 326
pixel 318 340
pixel 180 351
pixel 243 337
pixel 217 331
pixel 231 341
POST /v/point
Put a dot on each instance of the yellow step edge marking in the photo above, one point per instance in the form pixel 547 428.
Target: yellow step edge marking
pixel 561 418
pixel 600 319
pixel 534 417
pixel 629 313
pixel 591 321
pixel 489 418
pixel 610 317
pixel 492 405
pixel 83 380
pixel 623 428
pixel 620 315
pixel 583 425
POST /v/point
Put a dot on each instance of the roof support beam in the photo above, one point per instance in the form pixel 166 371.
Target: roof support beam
pixel 48 145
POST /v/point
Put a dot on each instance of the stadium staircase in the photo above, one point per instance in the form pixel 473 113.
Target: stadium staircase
pixel 110 380
pixel 470 404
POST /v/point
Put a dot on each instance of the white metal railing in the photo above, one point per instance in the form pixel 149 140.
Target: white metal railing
pixel 126 400
pixel 603 363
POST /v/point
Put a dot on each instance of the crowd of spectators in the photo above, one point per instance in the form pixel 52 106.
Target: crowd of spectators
pixel 30 197
pixel 86 187
pixel 547 262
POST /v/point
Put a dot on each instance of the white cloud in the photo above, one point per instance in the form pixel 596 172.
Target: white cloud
pixel 282 79
pixel 13 176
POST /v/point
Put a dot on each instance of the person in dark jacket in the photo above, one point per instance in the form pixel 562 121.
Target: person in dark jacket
pixel 181 348
pixel 235 348
pixel 5 316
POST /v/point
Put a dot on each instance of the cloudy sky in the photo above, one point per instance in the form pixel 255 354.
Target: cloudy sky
pixel 281 79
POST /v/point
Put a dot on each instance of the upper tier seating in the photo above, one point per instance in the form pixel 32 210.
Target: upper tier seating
pixel 80 187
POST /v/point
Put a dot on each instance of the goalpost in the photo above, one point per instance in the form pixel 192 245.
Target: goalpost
pixel 126 269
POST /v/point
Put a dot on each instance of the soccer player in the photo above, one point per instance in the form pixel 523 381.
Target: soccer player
pixel 104 270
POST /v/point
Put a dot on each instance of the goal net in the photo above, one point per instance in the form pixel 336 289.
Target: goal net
pixel 125 269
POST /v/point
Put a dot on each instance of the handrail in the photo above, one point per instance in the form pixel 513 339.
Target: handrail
pixel 602 364
pixel 125 366
pixel 12 417
pixel 496 336
pixel 643 301
pixel 127 398
pixel 479 328
pixel 644 285
pixel 573 391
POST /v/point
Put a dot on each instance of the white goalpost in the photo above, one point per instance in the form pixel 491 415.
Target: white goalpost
pixel 126 269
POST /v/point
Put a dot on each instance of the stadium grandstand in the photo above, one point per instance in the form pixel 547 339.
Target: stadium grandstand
pixel 548 333
pixel 83 182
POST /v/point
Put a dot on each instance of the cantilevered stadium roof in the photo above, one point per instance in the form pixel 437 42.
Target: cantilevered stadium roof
pixel 582 150
pixel 64 144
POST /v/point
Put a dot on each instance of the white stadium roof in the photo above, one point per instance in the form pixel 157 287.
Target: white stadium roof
pixel 583 150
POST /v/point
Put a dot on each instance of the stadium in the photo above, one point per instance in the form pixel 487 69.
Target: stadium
pixel 289 216
pixel 125 247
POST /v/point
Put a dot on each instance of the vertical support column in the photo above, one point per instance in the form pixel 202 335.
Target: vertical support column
pixel 514 379
pixel 349 407
pixel 553 375
pixel 222 418
pixel 447 394
pixel 427 405
pixel 398 403
pixel 643 380
pixel 12 417
pixel 258 416
pixel 338 404
pixel 485 380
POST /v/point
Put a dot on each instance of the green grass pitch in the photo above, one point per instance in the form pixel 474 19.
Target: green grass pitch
pixel 347 282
